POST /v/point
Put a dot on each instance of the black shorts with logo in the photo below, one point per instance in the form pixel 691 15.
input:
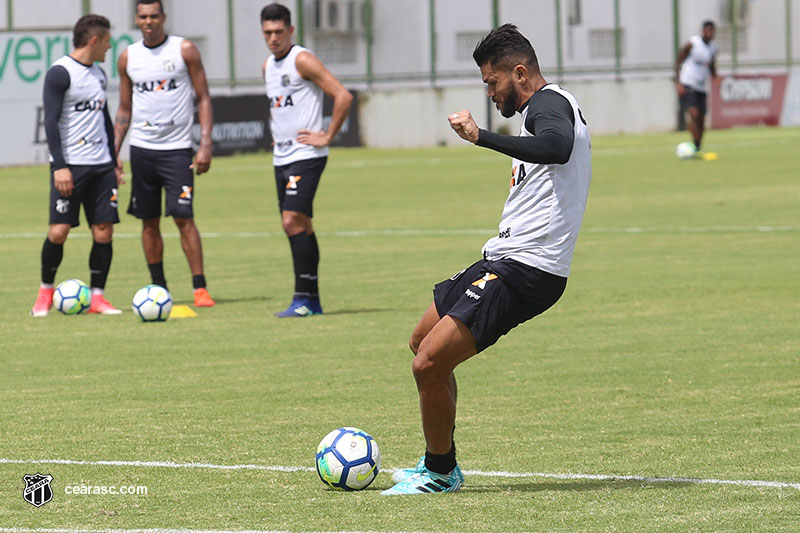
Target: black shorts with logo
pixel 692 98
pixel 95 187
pixel 485 298
pixel 297 183
pixel 156 169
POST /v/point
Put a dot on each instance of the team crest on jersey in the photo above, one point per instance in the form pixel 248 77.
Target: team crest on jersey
pixel 169 65
pixel 37 491
pixel 285 80
pixel 103 83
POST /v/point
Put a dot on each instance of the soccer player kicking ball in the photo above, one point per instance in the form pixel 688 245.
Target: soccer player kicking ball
pixel 524 269
pixel 83 166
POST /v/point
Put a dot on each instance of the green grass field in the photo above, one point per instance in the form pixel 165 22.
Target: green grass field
pixel 674 353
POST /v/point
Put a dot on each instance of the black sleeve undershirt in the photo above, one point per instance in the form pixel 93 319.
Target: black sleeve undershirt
pixel 109 129
pixel 56 83
pixel 552 122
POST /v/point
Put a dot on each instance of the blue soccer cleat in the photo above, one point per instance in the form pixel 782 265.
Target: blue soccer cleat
pixel 427 482
pixel 301 306
pixel 404 473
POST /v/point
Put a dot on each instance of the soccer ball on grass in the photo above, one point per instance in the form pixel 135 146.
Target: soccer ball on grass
pixel 72 297
pixel 152 303
pixel 348 459
pixel 686 150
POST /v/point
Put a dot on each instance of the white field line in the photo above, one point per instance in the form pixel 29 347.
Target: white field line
pixel 477 473
pixel 156 530
pixel 435 232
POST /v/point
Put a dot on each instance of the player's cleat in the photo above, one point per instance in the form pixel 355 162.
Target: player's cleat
pixel 404 473
pixel 44 301
pixel 301 306
pixel 202 298
pixel 101 306
pixel 427 482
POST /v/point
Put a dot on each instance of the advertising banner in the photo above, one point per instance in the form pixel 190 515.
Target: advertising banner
pixel 747 100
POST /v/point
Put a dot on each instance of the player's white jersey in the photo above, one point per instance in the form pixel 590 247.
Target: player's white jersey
pixel 294 104
pixel 163 105
pixel 695 69
pixel 82 127
pixel 544 208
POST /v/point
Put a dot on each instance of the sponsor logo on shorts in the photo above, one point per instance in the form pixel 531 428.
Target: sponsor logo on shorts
pixel 505 234
pixel 185 198
pixel 62 206
pixel 292 183
pixel 472 295
pixel 481 283
pixel 457 274
pixel 113 199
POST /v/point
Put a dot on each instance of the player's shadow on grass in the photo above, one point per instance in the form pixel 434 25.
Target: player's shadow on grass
pixel 356 311
pixel 577 486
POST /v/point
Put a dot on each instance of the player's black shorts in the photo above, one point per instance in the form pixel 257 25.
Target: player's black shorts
pixel 489 305
pixel 692 98
pixel 156 169
pixel 95 187
pixel 297 184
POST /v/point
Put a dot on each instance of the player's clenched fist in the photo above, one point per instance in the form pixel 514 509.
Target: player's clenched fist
pixel 464 125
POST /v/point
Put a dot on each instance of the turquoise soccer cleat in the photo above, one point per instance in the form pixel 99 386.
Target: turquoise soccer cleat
pixel 427 482
pixel 405 473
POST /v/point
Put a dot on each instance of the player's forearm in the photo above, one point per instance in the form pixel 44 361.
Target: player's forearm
pixel 122 122
pixel 341 107
pixel 206 118
pixel 549 148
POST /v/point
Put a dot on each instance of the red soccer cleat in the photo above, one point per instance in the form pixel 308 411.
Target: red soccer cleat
pixel 43 302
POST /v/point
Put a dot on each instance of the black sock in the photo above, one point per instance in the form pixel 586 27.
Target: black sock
pixel 157 274
pixel 199 281
pixel 305 264
pixel 697 145
pixel 100 263
pixel 441 464
pixel 51 258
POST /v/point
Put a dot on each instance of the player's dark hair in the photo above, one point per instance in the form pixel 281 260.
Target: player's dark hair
pixel 505 47
pixel 87 27
pixel 149 2
pixel 708 23
pixel 276 11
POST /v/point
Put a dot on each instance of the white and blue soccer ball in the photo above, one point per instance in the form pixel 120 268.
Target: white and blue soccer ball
pixel 686 150
pixel 152 303
pixel 348 459
pixel 72 297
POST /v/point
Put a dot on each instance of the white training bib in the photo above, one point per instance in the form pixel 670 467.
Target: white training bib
pixel 82 126
pixel 695 69
pixel 544 208
pixel 294 104
pixel 163 105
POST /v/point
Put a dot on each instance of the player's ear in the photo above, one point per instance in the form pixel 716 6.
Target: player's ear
pixel 520 73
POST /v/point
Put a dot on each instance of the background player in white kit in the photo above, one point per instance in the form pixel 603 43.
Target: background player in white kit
pixel 83 167
pixel 693 65
pixel 295 82
pixel 524 269
pixel 157 76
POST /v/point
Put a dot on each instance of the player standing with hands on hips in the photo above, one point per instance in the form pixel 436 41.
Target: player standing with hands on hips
pixel 156 77
pixel 83 166
pixel 524 269
pixel 295 82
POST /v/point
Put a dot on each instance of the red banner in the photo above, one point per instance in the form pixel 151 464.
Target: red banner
pixel 747 100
